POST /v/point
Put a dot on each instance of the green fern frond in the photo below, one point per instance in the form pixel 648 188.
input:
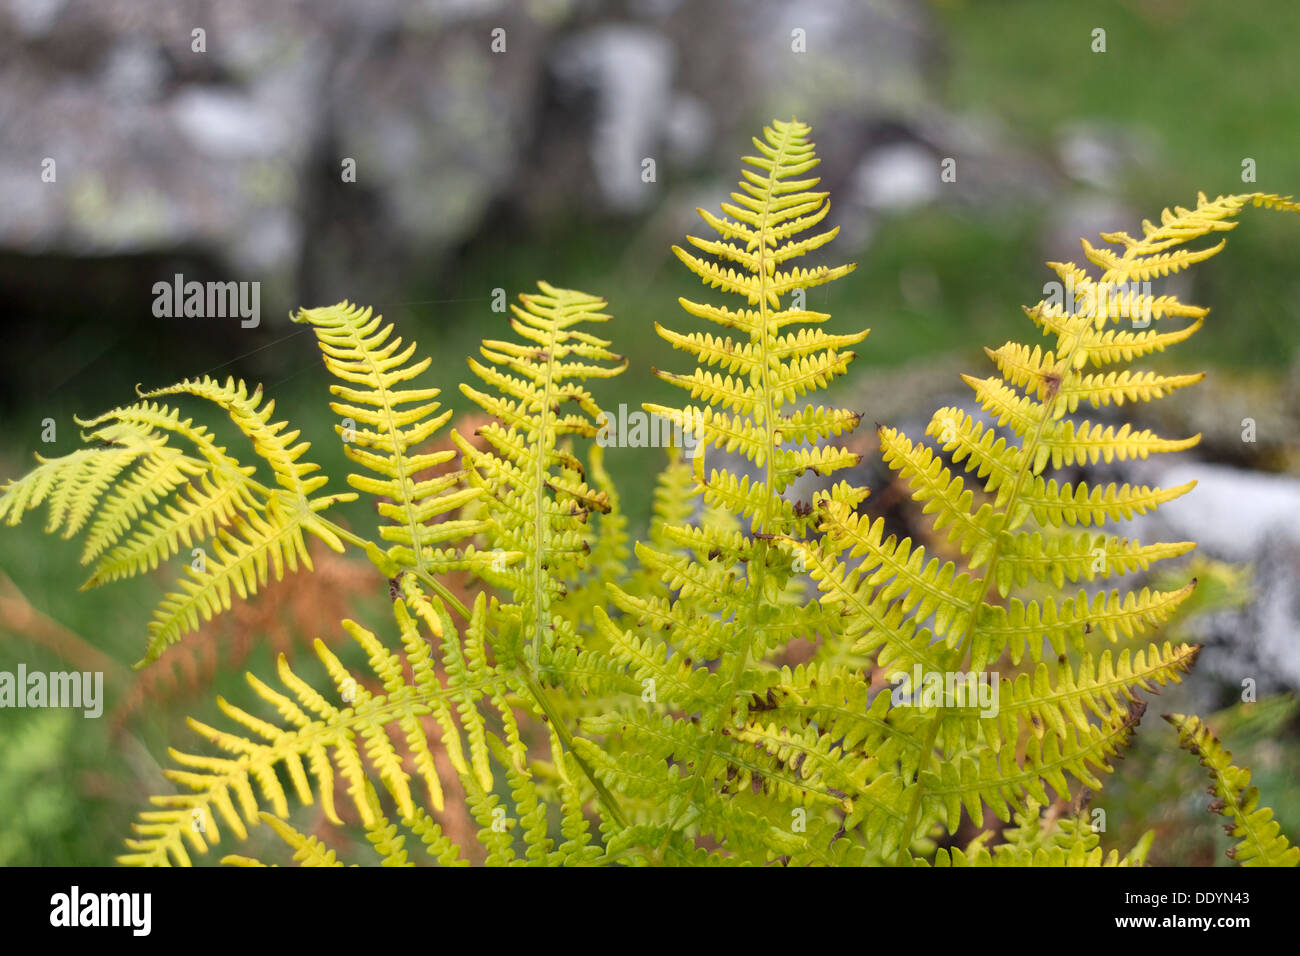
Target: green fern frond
pixel 1262 842
pixel 1009 522
pixel 1070 842
pixel 722 594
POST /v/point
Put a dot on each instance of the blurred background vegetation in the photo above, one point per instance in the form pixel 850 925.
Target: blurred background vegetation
pixel 1052 141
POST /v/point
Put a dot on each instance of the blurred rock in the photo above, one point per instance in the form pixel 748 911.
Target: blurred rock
pixel 1101 155
pixel 1082 215
pixel 1250 519
pixel 160 146
pixel 1232 513
pixel 897 178
pixel 154 146
pixel 629 69
pixel 234 153
pixel 1246 420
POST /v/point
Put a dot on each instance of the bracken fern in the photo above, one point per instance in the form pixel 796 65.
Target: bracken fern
pixel 606 700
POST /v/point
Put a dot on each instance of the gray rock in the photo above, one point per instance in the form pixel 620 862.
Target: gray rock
pixel 1101 154
pixel 161 148
pixel 1247 518
pixel 1232 513
pixel 897 177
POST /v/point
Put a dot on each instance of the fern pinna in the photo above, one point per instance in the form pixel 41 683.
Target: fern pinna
pixel 1261 840
pixel 382 436
pixel 601 701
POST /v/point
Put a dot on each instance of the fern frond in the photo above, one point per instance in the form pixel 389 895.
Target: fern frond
pixel 316 740
pixel 777 369
pixel 388 422
pixel 253 418
pixel 1069 841
pixel 259 543
pixel 1262 842
pixel 536 490
pixel 723 594
pixel 1008 520
pixel 72 486
pixel 308 850
pixel 140 498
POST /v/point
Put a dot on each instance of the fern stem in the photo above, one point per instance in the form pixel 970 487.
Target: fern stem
pixel 546 439
pixel 553 716
pixel 1028 452
pixel 377 557
pixel 914 806
pixel 543 700
pixel 443 592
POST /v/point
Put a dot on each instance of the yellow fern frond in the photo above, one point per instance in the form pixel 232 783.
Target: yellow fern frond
pixel 1009 520
pixel 317 740
pixel 382 425
pixel 536 490
pixel 754 405
pixel 253 418
pixel 140 499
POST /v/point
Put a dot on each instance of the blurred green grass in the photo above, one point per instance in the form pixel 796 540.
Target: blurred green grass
pixel 1214 82
pixel 1210 83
